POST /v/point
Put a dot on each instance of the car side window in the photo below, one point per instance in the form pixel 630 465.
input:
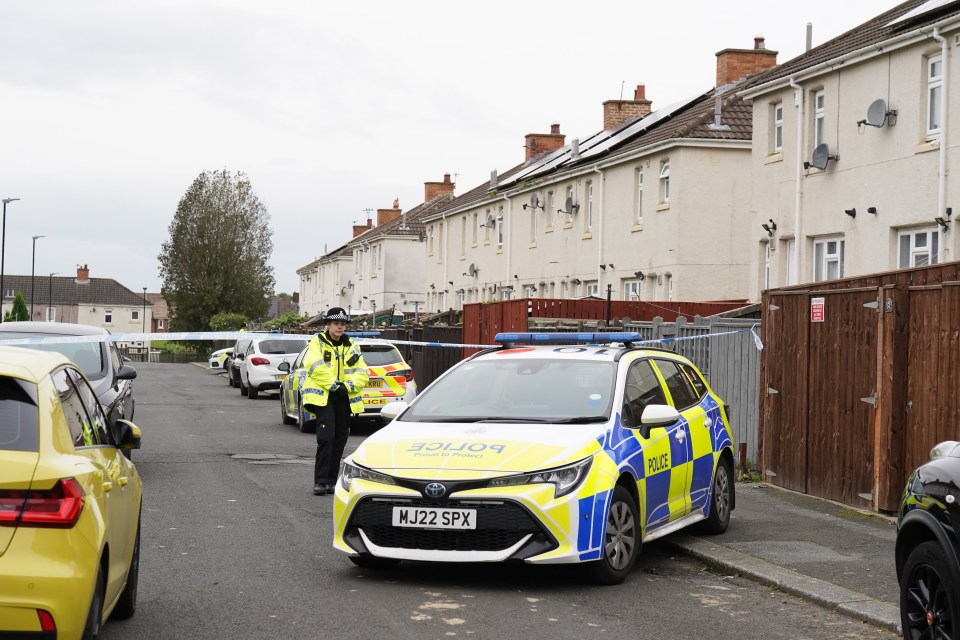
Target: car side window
pixel 695 379
pixel 680 388
pixel 115 357
pixel 97 419
pixel 81 430
pixel 642 388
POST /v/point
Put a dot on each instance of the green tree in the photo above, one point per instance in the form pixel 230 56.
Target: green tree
pixel 287 322
pixel 224 321
pixel 19 313
pixel 217 255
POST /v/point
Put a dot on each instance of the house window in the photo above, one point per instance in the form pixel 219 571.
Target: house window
pixel 639 203
pixel 487 225
pixel 530 291
pixel 791 256
pixel 631 290
pixel 135 314
pixel 500 228
pixel 440 242
pixel 463 237
pixel 828 259
pixel 669 288
pixel 108 316
pixel 159 323
pixel 476 223
pixel 505 293
pixel 593 288
pixel 569 200
pixel 51 314
pixel 919 247
pixel 462 297
pixel 430 241
pixel 548 226
pixel 767 255
pixel 533 219
pixel 778 127
pixel 665 182
pixel 588 219
pixel 818 119
pixel 934 89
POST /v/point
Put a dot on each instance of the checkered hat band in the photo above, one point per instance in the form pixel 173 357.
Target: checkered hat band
pixel 341 316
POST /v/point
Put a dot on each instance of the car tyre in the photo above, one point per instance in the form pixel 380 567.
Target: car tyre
pixel 305 425
pixel 229 376
pixel 253 392
pixel 929 598
pixel 721 501
pixel 127 604
pixel 621 541
pixel 283 411
pixel 373 562
pixel 243 388
pixel 94 622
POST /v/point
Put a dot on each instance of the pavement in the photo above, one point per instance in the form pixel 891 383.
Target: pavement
pixel 837 556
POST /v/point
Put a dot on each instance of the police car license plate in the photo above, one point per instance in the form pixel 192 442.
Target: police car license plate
pixel 375 383
pixel 431 518
pixel 281 376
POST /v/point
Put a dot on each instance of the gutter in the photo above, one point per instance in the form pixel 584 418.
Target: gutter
pixel 798 192
pixel 942 178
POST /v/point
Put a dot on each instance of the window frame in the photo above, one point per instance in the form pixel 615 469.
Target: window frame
pixel 932 248
pixel 777 135
pixel 934 91
pixel 819 117
pixel 638 196
pixel 108 316
pixel 665 182
pixel 822 259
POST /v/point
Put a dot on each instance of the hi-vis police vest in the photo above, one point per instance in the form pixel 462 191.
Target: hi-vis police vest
pixel 330 366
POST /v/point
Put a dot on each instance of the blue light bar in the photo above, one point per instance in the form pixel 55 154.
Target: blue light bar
pixel 363 334
pixel 556 337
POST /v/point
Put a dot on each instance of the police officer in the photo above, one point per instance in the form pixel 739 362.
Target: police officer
pixel 336 376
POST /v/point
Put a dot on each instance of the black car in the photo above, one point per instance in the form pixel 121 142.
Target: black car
pixel 928 547
pixel 101 362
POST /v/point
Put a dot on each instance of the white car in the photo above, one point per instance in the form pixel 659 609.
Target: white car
pixel 258 369
pixel 218 357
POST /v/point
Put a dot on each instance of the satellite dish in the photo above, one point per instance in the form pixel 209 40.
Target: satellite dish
pixel 343 291
pixel 472 270
pixel 821 156
pixel 489 222
pixel 569 206
pixel 877 113
pixel 536 200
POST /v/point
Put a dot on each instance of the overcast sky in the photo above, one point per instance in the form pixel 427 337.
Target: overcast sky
pixel 110 109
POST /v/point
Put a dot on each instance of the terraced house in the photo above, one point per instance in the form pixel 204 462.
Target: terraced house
pixel 853 142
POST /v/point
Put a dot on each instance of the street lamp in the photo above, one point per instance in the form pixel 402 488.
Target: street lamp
pixel 50 297
pixel 33 262
pixel 144 309
pixel 3 246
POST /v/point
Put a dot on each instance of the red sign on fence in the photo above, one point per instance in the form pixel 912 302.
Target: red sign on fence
pixel 817 309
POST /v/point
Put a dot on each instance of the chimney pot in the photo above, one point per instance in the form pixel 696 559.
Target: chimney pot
pixel 758 42
pixel 555 128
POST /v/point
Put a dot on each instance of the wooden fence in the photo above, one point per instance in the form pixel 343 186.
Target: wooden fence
pixel 858 382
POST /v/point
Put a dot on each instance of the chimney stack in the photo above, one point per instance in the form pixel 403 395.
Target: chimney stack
pixel 83 274
pixel 433 189
pixel 386 215
pixel 618 112
pixel 537 144
pixel 736 64
pixel 359 228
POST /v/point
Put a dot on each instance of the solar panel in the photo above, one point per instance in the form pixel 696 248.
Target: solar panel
pixel 926 7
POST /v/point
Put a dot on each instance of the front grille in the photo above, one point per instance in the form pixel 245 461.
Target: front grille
pixel 500 525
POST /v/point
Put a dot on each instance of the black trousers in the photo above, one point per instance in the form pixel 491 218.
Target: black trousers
pixel 333 428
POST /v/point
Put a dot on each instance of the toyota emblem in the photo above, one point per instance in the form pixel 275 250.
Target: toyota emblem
pixel 434 490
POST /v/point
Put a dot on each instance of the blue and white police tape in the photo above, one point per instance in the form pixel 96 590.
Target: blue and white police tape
pixel 201 336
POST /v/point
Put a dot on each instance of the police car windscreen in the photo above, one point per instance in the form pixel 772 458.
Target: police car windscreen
pixel 88 356
pixel 19 420
pixel 380 355
pixel 535 390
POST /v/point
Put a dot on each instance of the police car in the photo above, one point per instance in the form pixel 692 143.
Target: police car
pixel 391 380
pixel 544 453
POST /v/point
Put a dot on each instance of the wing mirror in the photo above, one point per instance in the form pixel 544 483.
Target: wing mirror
pixel 657 416
pixel 128 434
pixel 284 366
pixel 126 372
pixel 393 410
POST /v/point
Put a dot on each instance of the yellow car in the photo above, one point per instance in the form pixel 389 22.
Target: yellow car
pixel 555 453
pixel 69 502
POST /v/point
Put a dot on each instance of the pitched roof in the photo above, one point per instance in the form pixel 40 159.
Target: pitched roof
pixel 409 223
pixel 60 290
pixel 877 30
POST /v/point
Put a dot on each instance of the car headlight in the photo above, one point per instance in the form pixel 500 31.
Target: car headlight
pixel 564 479
pixel 350 472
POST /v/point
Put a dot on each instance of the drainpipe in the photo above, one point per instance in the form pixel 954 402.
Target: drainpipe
pixel 508 244
pixel 942 181
pixel 596 169
pixel 797 236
